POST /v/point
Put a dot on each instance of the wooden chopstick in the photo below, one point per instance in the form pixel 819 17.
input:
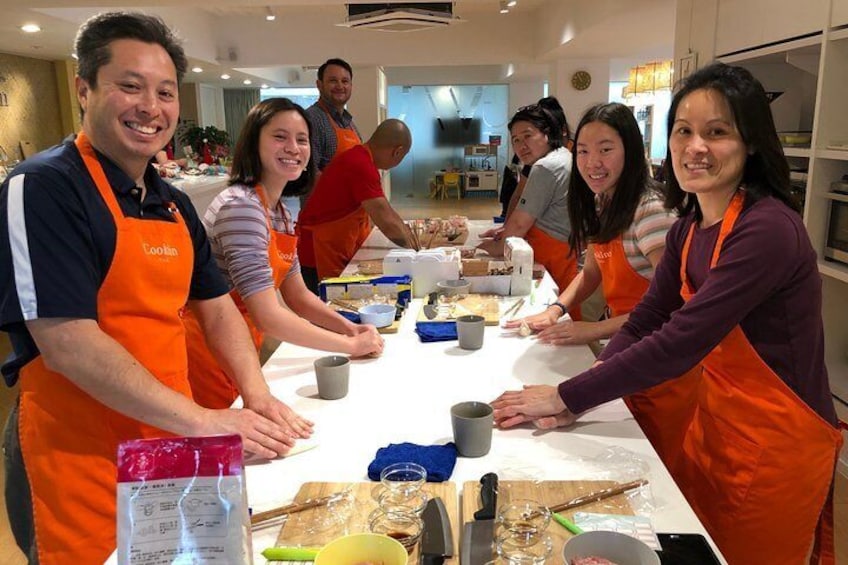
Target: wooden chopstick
pixel 513 310
pixel 433 236
pixel 413 228
pixel 291 508
pixel 343 304
pixel 598 495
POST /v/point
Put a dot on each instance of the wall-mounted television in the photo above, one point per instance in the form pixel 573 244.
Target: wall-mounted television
pixel 457 132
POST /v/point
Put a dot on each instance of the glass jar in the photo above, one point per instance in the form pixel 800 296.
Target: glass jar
pixel 405 527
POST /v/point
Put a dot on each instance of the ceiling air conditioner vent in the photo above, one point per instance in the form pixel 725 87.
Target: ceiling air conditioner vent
pixel 400 16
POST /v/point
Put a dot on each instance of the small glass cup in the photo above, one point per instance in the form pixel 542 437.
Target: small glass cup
pixel 405 527
pixel 392 501
pixel 403 478
pixel 524 521
pixel 513 552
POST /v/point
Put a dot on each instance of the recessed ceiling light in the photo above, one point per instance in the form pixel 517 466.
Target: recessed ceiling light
pixel 264 85
pixel 74 56
pixel 504 9
pixel 511 3
pixel 30 28
pixel 247 81
pixel 269 14
pixel 197 69
pixel 225 76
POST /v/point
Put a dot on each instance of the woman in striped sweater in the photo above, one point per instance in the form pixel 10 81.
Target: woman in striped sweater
pixel 616 209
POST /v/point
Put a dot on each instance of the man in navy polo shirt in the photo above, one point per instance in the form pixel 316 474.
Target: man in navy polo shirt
pixel 99 256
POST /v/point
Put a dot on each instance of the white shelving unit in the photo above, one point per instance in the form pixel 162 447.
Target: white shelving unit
pixel 810 67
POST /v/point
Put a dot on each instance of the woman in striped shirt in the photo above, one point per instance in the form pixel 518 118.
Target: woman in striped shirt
pixel 617 210
pixel 253 240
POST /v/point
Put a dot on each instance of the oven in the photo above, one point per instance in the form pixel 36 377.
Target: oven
pixel 836 247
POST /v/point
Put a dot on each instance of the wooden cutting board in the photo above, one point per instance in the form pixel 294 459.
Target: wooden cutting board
pixel 431 241
pixel 486 305
pixel 317 526
pixel 548 493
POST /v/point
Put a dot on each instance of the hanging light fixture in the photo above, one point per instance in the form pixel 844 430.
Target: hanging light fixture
pixel 648 78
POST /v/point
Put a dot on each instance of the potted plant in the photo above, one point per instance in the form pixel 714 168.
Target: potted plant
pixel 218 140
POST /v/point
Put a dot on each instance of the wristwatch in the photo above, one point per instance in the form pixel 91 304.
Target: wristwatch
pixel 561 306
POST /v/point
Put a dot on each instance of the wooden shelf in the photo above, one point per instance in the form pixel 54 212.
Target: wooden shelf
pixel 838 35
pixel 797 152
pixel 776 49
pixel 834 154
pixel 834 270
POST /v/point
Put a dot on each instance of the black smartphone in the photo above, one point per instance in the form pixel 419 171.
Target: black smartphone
pixel 686 549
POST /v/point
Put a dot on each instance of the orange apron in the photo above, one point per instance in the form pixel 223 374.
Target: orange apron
pixel 210 385
pixel 346 138
pixel 664 410
pixel 69 440
pixel 335 243
pixel 757 462
pixel 555 256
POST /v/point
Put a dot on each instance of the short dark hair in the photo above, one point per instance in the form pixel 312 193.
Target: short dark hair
pixel 247 167
pixel 586 225
pixel 93 41
pixel 337 62
pixel 552 105
pixel 543 120
pixel 766 171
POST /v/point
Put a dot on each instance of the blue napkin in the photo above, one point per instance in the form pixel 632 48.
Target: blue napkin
pixel 435 331
pixel 438 460
pixel 350 316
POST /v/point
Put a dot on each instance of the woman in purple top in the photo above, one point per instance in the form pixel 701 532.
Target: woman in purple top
pixel 738 293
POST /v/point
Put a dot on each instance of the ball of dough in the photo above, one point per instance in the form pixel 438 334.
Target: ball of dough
pixel 524 330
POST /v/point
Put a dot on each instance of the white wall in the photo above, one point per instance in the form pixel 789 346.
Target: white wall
pixel 576 102
pixel 210 106
pixel 524 93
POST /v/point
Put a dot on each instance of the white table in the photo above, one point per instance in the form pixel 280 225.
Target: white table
pixel 406 394
pixel 201 189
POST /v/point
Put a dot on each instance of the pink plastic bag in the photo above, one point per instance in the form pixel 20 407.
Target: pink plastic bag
pixel 182 500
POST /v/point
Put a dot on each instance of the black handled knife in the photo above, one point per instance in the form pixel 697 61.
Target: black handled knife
pixel 437 539
pixel 479 535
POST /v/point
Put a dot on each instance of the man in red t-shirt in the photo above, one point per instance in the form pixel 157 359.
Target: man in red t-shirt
pixel 337 217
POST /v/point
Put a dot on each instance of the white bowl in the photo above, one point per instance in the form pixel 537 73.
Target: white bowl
pixel 618 548
pixel 378 315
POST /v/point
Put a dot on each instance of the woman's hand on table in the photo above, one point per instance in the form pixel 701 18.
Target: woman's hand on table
pixel 366 341
pixel 536 322
pixel 515 407
pixel 494 233
pixel 569 332
pixel 494 247
pixel 281 414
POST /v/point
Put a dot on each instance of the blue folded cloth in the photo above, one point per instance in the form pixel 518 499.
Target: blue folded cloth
pixel 438 460
pixel 350 316
pixel 435 331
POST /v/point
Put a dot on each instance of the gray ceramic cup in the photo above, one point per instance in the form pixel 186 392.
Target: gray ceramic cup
pixel 332 373
pixel 472 428
pixel 470 330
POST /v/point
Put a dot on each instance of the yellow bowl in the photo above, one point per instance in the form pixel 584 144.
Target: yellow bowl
pixel 358 549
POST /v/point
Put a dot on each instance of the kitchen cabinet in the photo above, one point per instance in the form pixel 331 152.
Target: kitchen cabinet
pixel 747 24
pixel 812 74
pixel 481 169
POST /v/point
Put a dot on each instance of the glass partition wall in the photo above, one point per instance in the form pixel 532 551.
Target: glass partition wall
pixel 444 119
